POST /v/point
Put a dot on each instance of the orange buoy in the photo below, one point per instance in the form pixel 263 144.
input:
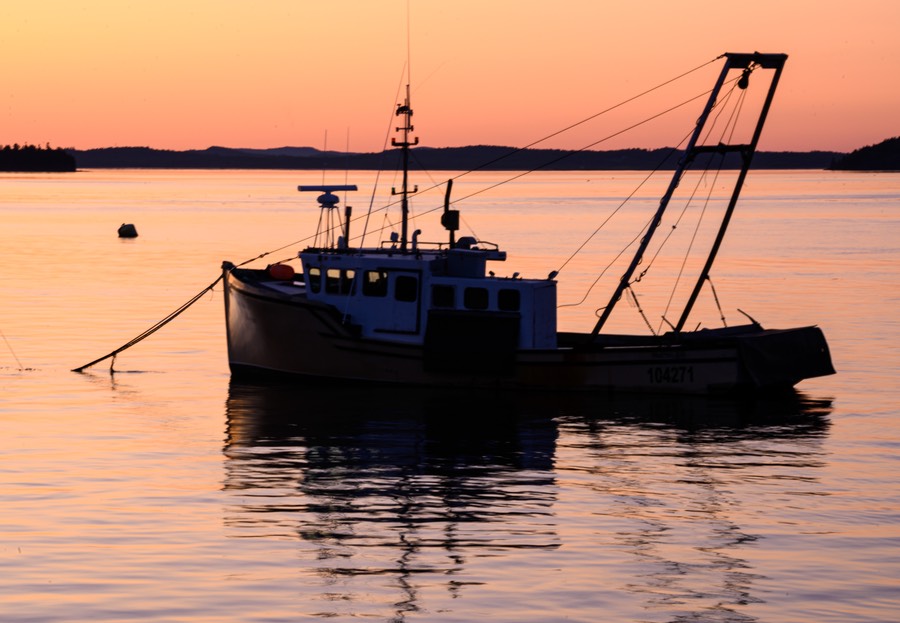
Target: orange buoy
pixel 283 272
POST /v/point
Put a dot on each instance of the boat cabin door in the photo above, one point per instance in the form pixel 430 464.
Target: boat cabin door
pixel 399 307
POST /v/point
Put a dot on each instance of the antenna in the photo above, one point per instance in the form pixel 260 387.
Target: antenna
pixel 324 156
pixel 408 44
pixel 328 202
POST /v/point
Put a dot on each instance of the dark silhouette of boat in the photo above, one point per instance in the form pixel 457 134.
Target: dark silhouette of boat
pixel 431 314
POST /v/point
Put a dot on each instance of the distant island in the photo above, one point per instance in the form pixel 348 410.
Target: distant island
pixel 35 159
pixel 480 157
pixel 885 156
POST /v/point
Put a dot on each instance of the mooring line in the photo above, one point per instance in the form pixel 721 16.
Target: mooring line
pixel 159 325
pixel 12 352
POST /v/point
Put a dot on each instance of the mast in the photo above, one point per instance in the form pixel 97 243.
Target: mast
pixel 405 111
pixel 750 62
pixel 746 62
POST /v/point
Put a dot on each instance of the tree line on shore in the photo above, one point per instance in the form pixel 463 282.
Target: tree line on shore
pixel 884 156
pixel 34 158
pixel 481 157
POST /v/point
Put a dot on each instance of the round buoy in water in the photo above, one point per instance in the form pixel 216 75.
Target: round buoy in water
pixel 127 230
pixel 283 272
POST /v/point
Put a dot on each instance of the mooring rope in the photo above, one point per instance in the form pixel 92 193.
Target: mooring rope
pixel 159 325
pixel 12 352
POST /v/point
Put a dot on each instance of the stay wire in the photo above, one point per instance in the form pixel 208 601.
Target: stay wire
pixel 517 150
pixel 560 158
pixel 729 129
pixel 712 288
pixel 721 107
pixel 591 118
pixel 572 126
pixel 640 309
pixel 387 134
pixel 608 218
pixel 641 233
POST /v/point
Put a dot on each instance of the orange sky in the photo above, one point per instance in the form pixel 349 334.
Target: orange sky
pixel 183 74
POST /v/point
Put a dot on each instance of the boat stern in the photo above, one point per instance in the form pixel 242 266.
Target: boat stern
pixel 784 357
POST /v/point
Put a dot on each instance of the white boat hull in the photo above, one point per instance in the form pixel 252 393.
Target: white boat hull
pixel 275 333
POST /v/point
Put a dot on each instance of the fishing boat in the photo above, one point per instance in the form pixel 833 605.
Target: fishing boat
pixel 406 312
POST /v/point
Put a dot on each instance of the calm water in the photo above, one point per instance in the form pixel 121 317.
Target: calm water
pixel 165 492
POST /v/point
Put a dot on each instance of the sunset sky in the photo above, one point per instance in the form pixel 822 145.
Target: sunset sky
pixel 185 74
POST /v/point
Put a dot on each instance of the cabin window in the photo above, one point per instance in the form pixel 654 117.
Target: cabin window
pixel 333 280
pixel 348 279
pixel 509 300
pixel 475 298
pixel 375 283
pixel 406 288
pixel 314 278
pixel 443 296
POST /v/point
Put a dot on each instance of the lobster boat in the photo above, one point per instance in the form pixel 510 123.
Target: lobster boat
pixel 406 312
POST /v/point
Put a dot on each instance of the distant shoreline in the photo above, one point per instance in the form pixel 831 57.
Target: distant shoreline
pixel 34 159
pixel 480 157
pixel 883 156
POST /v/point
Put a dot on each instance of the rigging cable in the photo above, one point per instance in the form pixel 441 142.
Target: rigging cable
pixel 608 218
pixel 592 117
pixel 572 126
pixel 716 297
pixel 560 158
pixel 640 309
pixel 488 163
pixel 700 180
pixel 387 135
pixel 640 234
pixel 730 124
pixel 690 199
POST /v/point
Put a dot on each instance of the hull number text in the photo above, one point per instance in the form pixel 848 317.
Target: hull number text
pixel 670 374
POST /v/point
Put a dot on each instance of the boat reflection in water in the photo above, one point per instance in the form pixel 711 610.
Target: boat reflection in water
pixel 402 499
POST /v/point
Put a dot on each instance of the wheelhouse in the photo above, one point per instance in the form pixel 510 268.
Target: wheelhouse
pixel 390 296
